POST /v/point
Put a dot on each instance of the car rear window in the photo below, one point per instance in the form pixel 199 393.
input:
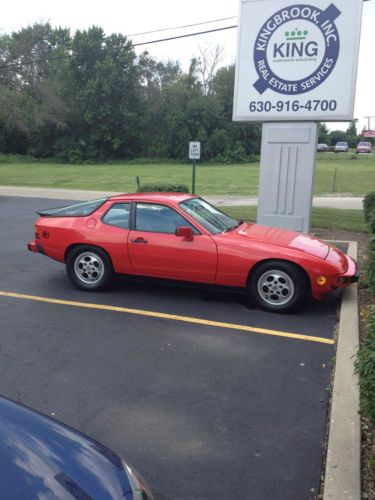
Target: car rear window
pixel 80 209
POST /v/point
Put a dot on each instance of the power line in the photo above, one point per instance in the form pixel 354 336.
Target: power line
pixel 184 36
pixel 67 56
pixel 180 27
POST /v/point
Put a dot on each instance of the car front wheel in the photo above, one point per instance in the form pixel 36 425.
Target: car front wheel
pixel 89 268
pixel 278 286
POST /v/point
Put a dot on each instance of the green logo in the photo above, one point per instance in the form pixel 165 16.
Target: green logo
pixel 296 34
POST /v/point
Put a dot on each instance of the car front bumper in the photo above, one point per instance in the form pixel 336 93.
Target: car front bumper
pixel 352 274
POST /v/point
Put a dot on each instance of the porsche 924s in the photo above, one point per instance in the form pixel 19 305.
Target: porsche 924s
pixel 183 237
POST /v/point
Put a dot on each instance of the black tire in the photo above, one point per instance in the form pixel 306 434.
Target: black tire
pixel 89 268
pixel 277 286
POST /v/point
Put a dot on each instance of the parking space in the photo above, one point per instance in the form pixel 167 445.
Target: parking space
pixel 207 397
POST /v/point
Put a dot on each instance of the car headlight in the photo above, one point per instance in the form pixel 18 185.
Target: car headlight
pixel 140 489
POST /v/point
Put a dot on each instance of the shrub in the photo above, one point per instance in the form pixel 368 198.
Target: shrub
pixel 169 188
pixel 369 205
pixel 10 158
pixel 371 221
pixel 365 367
pixel 370 266
pixel 75 157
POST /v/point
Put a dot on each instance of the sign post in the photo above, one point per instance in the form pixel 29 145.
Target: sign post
pixel 194 154
pixel 296 65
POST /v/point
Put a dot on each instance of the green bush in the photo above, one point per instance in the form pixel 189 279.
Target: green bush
pixel 369 205
pixel 169 188
pixel 365 367
pixel 9 158
pixel 75 157
pixel 370 266
pixel 371 221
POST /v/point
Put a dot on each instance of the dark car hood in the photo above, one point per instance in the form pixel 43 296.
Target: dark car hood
pixel 282 238
pixel 41 458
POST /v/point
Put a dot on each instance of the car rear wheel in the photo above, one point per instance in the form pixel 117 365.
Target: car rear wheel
pixel 89 268
pixel 278 286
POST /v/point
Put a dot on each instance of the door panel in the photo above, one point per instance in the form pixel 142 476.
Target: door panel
pixel 170 256
pixel 154 248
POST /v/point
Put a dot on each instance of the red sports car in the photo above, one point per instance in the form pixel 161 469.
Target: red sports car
pixel 182 237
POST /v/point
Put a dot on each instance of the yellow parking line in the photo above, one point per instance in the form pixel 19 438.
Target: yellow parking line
pixel 173 317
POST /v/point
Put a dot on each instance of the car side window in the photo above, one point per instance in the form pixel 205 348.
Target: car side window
pixel 159 219
pixel 118 215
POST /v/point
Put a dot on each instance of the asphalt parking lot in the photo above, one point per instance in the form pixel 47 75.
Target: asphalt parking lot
pixel 205 396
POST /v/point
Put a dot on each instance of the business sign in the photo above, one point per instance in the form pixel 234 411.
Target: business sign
pixel 368 133
pixel 194 150
pixel 297 61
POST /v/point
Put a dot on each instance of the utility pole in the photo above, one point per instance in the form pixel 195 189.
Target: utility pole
pixel 369 121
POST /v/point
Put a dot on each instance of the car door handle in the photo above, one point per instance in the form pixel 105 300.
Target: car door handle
pixel 139 240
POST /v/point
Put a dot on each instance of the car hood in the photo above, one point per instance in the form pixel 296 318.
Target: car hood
pixel 40 457
pixel 282 238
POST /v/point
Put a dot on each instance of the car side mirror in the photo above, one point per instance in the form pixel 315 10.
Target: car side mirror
pixel 185 232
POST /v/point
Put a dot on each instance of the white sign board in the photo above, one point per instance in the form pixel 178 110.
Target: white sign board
pixel 194 150
pixel 297 61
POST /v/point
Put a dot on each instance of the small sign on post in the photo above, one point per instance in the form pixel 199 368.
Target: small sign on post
pixel 194 154
pixel 194 150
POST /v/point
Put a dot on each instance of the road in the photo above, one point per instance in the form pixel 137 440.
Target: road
pixel 202 411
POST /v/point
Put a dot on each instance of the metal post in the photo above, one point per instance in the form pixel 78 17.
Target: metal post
pixel 193 180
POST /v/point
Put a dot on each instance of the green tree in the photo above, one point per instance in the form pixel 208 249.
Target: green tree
pixel 243 138
pixel 323 133
pixel 30 82
pixel 336 136
pixel 351 134
pixel 156 79
pixel 103 88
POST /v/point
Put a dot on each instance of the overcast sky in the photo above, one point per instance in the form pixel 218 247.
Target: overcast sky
pixel 132 17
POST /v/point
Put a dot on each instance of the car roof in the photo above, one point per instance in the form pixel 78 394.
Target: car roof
pixel 157 197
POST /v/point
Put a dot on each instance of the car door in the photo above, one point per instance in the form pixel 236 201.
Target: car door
pixel 113 235
pixel 155 250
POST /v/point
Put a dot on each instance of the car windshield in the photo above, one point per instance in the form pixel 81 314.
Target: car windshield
pixel 366 144
pixel 208 216
pixel 342 144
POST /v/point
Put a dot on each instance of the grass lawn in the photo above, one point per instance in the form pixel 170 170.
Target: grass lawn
pixel 325 218
pixel 335 173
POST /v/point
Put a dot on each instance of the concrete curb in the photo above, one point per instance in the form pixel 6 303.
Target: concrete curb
pixel 343 464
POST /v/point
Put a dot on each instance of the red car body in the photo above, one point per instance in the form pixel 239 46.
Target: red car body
pixel 191 252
